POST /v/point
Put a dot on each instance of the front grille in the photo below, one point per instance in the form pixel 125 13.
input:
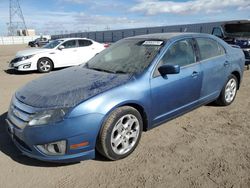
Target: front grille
pixel 18 114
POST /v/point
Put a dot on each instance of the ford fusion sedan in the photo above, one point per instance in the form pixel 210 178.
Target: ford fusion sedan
pixel 133 86
pixel 57 53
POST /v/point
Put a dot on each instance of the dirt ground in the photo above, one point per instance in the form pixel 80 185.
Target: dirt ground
pixel 208 147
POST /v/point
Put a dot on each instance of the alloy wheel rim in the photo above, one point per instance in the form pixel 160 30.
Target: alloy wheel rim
pixel 125 134
pixel 45 65
pixel 230 90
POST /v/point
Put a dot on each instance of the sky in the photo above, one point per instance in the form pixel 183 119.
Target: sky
pixel 67 16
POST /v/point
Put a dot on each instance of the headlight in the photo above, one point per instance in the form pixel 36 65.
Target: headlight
pixel 248 42
pixel 26 57
pixel 48 116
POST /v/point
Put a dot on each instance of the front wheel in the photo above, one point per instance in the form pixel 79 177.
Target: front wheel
pixel 44 65
pixel 120 134
pixel 228 92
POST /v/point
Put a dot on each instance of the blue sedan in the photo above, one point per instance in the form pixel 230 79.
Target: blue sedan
pixel 133 86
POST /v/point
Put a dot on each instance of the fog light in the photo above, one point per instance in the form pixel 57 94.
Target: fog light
pixel 55 148
pixel 26 66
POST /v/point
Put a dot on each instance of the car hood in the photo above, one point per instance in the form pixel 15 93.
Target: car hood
pixel 68 87
pixel 242 42
pixel 32 51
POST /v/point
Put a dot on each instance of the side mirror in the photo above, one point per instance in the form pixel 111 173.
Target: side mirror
pixel 169 69
pixel 61 47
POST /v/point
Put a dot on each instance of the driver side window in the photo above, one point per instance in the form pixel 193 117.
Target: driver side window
pixel 180 53
pixel 70 44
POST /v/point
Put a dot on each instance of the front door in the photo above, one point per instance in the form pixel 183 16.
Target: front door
pixel 175 93
pixel 67 56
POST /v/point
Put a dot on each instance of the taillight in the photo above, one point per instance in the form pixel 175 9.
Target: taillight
pixel 106 45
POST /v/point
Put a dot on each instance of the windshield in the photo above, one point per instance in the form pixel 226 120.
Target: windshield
pixel 127 56
pixel 52 44
pixel 241 29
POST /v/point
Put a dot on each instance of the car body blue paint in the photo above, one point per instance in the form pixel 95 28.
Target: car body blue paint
pixel 162 98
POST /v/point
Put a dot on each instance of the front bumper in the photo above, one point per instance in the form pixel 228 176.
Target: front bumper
pixel 26 65
pixel 74 130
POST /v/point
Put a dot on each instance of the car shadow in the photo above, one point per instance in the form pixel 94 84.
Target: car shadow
pixel 15 72
pixel 99 157
pixel 8 148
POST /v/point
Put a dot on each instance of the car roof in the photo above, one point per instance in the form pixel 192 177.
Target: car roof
pixel 167 36
pixel 65 39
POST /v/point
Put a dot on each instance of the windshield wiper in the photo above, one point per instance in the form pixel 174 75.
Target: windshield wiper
pixel 120 72
pixel 101 70
pixel 104 70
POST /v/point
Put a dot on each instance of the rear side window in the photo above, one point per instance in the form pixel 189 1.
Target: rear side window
pixel 69 44
pixel 209 48
pixel 83 43
pixel 180 53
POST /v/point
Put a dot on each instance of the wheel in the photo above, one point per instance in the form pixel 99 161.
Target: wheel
pixel 44 65
pixel 228 92
pixel 120 133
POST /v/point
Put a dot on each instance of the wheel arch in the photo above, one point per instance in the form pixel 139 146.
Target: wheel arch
pixel 238 76
pixel 137 106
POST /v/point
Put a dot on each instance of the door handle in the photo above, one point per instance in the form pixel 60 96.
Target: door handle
pixel 195 74
pixel 226 63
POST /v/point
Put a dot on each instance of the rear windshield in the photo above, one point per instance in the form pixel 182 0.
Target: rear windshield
pixel 241 29
pixel 127 56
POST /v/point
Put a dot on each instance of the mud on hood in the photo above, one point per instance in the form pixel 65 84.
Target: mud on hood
pixel 68 87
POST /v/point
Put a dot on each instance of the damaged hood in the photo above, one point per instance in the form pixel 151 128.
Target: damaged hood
pixel 68 87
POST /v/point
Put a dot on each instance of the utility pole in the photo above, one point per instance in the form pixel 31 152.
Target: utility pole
pixel 16 18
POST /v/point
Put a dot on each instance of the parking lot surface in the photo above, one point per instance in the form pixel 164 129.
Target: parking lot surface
pixel 208 147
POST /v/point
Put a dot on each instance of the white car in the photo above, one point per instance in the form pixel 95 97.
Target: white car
pixel 57 53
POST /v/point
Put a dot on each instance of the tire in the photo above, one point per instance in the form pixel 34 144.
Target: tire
pixel 228 92
pixel 44 65
pixel 120 134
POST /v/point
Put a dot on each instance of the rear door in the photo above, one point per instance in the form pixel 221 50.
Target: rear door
pixel 86 50
pixel 214 66
pixel 175 93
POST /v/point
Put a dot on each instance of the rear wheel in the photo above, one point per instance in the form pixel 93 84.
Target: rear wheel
pixel 44 65
pixel 228 92
pixel 120 134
